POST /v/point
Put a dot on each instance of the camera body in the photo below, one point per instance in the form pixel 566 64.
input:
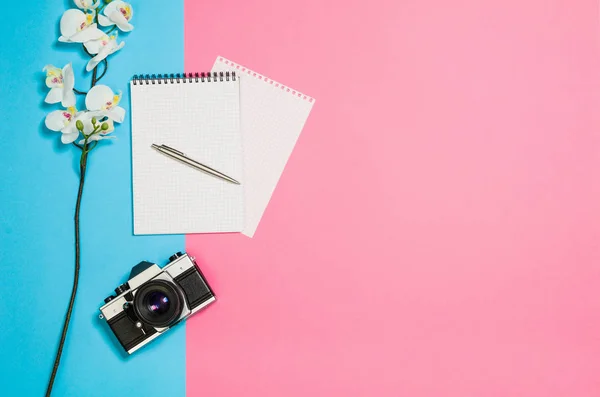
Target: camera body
pixel 153 300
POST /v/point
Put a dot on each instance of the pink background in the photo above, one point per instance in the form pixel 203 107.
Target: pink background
pixel 436 230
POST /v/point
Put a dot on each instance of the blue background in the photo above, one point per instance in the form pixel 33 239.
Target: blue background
pixel 37 199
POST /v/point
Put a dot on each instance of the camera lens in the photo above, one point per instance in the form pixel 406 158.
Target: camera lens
pixel 158 303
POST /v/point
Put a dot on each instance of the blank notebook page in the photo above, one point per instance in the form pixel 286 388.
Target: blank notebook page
pixel 202 120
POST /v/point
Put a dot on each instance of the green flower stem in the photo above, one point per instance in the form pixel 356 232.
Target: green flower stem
pixel 85 150
pixel 92 146
pixel 94 73
pixel 82 169
pixel 105 62
pixel 86 51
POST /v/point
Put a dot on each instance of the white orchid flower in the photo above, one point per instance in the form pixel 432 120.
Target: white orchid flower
pixel 88 128
pixel 117 13
pixel 65 121
pixel 61 83
pixel 102 101
pixel 87 4
pixel 102 47
pixel 78 27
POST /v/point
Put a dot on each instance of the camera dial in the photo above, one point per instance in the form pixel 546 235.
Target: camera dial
pixel 122 288
pixel 109 298
pixel 175 256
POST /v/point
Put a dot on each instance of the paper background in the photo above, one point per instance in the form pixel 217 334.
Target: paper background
pixel 435 232
pixel 37 200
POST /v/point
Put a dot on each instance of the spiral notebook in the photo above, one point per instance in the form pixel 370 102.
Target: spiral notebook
pixel 198 115
pixel 273 115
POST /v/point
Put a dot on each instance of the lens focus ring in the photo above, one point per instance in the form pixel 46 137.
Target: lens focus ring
pixel 158 303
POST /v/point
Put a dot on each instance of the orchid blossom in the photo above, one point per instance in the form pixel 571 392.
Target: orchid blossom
pixel 65 121
pixel 117 13
pixel 101 48
pixel 102 101
pixel 78 27
pixel 61 83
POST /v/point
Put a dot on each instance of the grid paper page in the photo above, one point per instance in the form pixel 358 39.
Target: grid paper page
pixel 200 119
pixel 273 116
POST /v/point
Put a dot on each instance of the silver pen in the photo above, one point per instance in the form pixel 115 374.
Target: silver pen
pixel 177 155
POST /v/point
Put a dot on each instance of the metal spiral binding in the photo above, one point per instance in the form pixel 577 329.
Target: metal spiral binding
pixel 182 78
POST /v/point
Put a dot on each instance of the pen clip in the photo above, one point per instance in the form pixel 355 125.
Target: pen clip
pixel 172 150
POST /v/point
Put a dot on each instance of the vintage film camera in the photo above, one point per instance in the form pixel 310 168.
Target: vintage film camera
pixel 153 300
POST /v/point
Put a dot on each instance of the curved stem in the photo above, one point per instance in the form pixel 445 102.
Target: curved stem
pixel 79 92
pixel 91 147
pixel 105 62
pixel 86 51
pixel 94 73
pixel 98 11
pixel 82 168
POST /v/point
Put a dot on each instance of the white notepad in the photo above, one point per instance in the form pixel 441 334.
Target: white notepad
pixel 273 116
pixel 202 120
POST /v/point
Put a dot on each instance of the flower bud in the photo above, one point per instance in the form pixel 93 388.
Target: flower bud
pixel 94 120
pixel 104 126
pixel 79 125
